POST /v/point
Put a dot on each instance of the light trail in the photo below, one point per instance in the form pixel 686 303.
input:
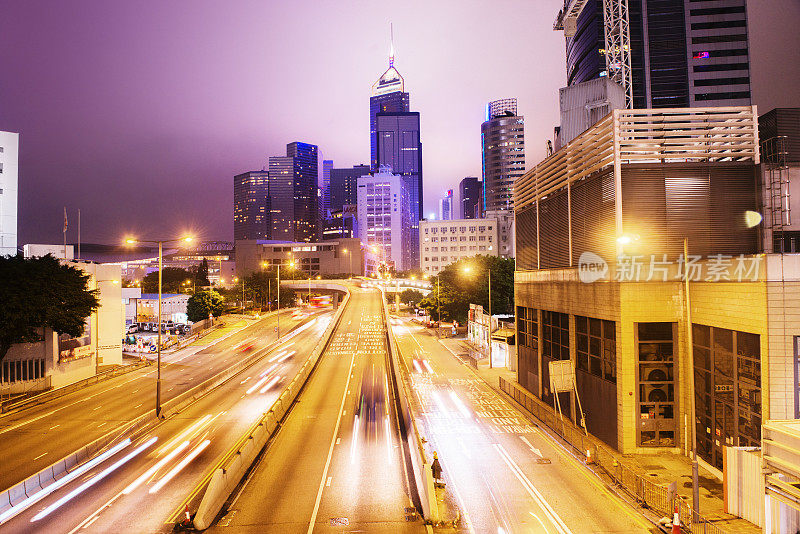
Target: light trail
pixel 178 468
pixel 417 368
pixel 427 366
pixel 270 384
pixel 355 441
pixel 38 496
pixel 153 470
pixel 257 385
pixel 460 405
pixel 94 480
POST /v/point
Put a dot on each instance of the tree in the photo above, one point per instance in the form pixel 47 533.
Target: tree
pixel 204 303
pixel 410 297
pixel 466 282
pixel 201 276
pixel 171 280
pixel 39 293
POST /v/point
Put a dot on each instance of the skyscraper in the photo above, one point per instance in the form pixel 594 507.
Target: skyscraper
pixel 388 96
pixel 469 196
pixel 682 54
pixel 343 186
pixel 446 207
pixel 251 207
pixel 293 193
pixel 503 142
pixel 325 189
pixel 400 148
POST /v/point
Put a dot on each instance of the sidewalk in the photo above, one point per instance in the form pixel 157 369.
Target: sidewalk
pixel 660 468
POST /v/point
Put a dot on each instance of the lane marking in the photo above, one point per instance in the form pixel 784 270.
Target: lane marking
pixel 551 514
pixel 56 426
pixel 43 454
pixel 330 449
pixel 328 482
pixel 536 451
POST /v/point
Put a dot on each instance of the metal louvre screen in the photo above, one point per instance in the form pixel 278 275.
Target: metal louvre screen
pixel 526 238
pixel 554 231
pixel 662 204
pixel 593 228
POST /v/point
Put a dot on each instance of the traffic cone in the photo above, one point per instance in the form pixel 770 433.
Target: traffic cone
pixel 676 521
pixel 188 519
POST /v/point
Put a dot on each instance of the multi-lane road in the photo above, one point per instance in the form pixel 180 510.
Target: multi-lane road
pixel 35 438
pixel 504 474
pixel 337 463
pixel 145 485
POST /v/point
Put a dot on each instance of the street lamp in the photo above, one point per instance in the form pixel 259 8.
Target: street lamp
pixel 350 256
pixel 161 242
pixel 466 270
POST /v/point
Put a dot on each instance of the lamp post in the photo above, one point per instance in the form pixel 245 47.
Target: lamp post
pixel 690 343
pixel 350 257
pixel 160 263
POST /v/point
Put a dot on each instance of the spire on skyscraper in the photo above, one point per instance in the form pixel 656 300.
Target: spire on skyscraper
pixel 390 81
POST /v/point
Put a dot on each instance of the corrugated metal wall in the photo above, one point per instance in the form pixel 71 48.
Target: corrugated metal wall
pixel 526 238
pixel 593 226
pixel 744 484
pixel 553 231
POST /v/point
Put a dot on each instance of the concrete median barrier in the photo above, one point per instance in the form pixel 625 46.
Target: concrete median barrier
pixel 225 479
pixel 420 461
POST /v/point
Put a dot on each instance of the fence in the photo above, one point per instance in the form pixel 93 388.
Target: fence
pixel 646 493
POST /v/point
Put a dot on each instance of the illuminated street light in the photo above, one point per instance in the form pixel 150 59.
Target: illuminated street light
pixel 133 241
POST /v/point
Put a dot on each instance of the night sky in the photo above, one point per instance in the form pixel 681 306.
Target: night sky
pixel 140 113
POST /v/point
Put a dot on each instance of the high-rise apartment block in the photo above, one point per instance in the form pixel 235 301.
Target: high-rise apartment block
pixel 683 53
pixel 445 242
pixel 503 143
pixel 293 193
pixel 384 217
pixel 9 184
pixel 251 206
pixel 446 206
pixel 469 195
pixel 343 185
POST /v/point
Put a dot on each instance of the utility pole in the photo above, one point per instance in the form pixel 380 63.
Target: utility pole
pixel 690 343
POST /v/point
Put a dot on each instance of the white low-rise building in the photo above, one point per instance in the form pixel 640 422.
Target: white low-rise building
pixel 444 242
pixel 60 360
pixel 9 184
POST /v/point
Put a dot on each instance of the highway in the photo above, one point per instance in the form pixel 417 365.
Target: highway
pixel 504 473
pixel 145 485
pixel 35 438
pixel 337 464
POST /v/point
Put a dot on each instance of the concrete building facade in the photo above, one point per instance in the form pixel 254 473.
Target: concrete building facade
pixel 445 242
pixel 60 360
pixel 334 257
pixel 599 282
pixel 384 218
pixel 9 187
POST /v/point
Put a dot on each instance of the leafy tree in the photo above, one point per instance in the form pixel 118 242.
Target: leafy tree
pixel 171 280
pixel 466 282
pixel 410 296
pixel 204 303
pixel 201 276
pixel 39 293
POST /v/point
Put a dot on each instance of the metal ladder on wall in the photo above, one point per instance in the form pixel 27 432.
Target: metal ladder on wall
pixel 776 183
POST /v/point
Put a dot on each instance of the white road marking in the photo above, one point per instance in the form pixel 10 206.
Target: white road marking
pixel 56 426
pixel 536 451
pixel 328 482
pixel 43 454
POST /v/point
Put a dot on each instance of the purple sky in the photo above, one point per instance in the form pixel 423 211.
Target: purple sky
pixel 140 113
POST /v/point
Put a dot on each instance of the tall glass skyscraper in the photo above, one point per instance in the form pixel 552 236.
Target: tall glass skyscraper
pixel 388 96
pixel 684 53
pixel 503 142
pixel 251 210
pixel 293 193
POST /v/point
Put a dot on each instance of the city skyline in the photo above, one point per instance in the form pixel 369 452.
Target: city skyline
pixel 124 120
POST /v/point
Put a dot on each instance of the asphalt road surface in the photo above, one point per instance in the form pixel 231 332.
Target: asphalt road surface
pixel 35 438
pixel 146 485
pixel 504 473
pixel 337 463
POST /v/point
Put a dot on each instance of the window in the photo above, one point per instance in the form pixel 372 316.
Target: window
pixel 596 347
pixel 472 238
pixel 481 238
pixel 727 371
pixel 722 96
pixel 555 335
pixel 528 339
pixel 464 238
pixel 656 379
pixel 482 247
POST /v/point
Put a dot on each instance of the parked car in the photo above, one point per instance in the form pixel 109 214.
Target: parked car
pixel 132 328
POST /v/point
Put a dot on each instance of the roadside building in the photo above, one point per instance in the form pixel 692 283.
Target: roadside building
pixel 9 185
pixel 173 307
pixel 60 360
pixel 325 258
pixel 600 273
pixel 506 242
pixel 385 218
pixel 444 242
